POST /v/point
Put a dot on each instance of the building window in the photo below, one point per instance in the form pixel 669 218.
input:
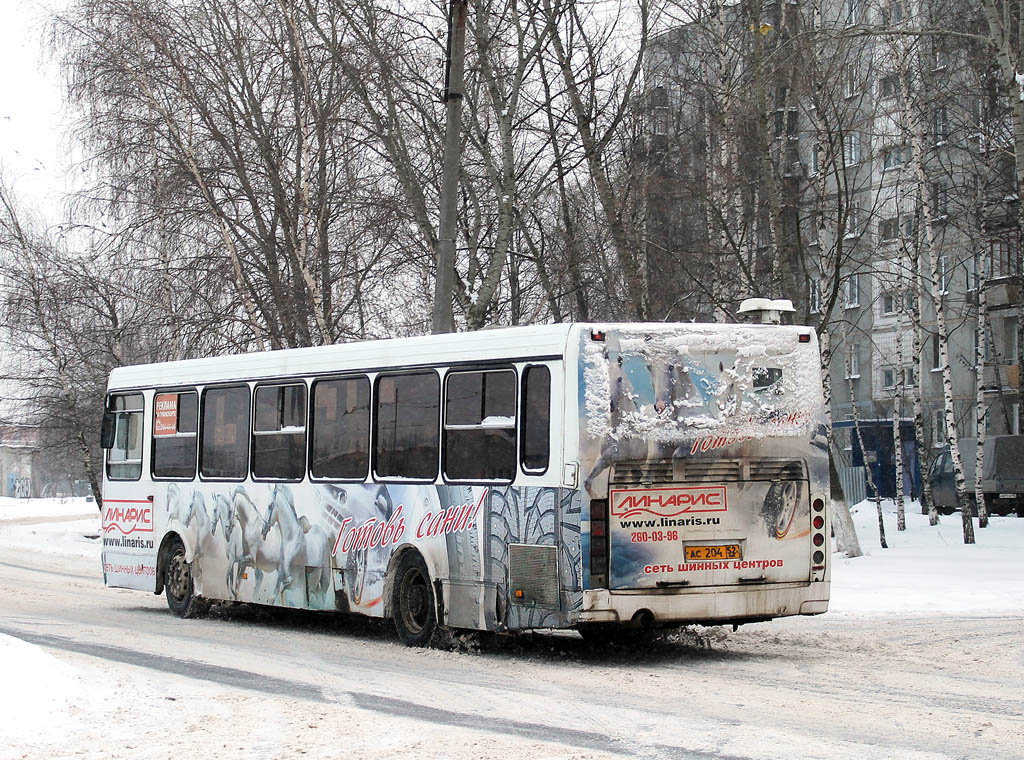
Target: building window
pixel 940 56
pixel 940 200
pixel 908 376
pixel 224 438
pixel 890 303
pixel 407 426
pixel 894 158
pixel 480 425
pixel 810 227
pixel 889 229
pixel 944 275
pixel 893 12
pixel 851 292
pixel 851 148
pixel 340 429
pixel 785 121
pixel 889 86
pixel 888 378
pixel 124 458
pixel 935 353
pixel 814 165
pixel 175 434
pixel 853 356
pixel 909 301
pixel 279 432
pixel 939 428
pixel 854 9
pixel 854 221
pixel 814 296
pixel 940 125
pixel 998 258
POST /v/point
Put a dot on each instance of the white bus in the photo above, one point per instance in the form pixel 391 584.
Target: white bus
pixel 601 477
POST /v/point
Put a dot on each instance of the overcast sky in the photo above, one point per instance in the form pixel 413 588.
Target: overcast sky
pixel 33 147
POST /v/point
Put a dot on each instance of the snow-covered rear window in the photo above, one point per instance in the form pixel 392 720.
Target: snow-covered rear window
pixel 677 385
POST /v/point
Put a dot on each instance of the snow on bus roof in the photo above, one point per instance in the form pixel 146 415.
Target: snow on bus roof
pixel 480 345
pixel 492 344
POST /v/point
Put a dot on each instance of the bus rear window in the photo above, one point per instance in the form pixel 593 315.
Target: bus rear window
pixel 224 450
pixel 124 459
pixel 406 433
pixel 341 429
pixel 175 421
pixel 480 425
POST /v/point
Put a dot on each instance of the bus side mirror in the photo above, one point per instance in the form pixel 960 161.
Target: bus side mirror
pixel 107 430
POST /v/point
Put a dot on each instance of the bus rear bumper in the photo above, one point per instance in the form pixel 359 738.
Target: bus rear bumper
pixel 713 605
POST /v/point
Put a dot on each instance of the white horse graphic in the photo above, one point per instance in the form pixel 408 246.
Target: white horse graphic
pixel 259 551
pixel 302 544
pixel 225 516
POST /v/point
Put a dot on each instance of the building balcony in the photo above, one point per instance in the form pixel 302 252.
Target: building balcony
pixel 1001 377
pixel 1003 292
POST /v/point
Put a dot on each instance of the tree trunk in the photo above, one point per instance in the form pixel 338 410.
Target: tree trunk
pixel 923 448
pixel 842 523
pixel 864 453
pixel 936 290
pixel 897 438
pixel 979 366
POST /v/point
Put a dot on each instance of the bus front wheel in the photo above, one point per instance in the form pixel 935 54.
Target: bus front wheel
pixel 413 603
pixel 178 584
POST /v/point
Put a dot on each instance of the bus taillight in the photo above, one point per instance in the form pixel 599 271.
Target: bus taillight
pixel 598 542
pixel 818 539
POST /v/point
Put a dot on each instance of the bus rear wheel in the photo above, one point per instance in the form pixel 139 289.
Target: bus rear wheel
pixel 179 586
pixel 413 603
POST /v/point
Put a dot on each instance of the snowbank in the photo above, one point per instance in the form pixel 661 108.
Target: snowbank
pixel 43 691
pixel 54 526
pixel 929 569
pixel 71 506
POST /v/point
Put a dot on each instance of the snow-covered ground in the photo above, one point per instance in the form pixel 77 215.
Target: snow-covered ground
pixel 930 569
pixel 926 571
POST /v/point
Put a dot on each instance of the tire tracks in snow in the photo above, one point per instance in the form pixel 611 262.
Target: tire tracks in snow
pixel 236 678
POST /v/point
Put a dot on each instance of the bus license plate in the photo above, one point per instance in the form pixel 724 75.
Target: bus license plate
pixel 718 551
pixel 1006 495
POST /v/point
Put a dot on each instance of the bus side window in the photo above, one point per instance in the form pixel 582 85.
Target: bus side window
pixel 536 419
pixel 224 438
pixel 480 425
pixel 340 447
pixel 175 422
pixel 279 432
pixel 124 459
pixel 406 421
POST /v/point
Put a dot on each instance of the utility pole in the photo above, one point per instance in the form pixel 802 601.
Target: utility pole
pixel 443 321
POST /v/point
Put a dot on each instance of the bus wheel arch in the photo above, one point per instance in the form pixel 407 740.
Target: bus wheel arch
pixel 413 599
pixel 175 578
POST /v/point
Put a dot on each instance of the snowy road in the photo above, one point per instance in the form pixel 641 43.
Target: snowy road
pixel 256 684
